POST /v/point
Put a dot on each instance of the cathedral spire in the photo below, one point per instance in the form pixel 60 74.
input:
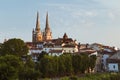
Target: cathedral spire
pixel 47 22
pixel 37 23
pixel 47 34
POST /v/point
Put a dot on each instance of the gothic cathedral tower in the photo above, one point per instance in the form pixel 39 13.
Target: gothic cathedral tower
pixel 47 34
pixel 37 34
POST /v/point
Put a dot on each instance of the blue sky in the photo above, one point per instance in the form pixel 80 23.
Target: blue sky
pixel 87 21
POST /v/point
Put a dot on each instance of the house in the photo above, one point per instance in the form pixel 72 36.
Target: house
pixel 113 62
pixel 35 52
pixel 88 51
pixel 69 48
pixel 96 46
pixel 55 52
pixel 48 46
pixel 105 56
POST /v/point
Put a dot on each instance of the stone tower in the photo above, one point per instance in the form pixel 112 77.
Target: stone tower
pixel 65 37
pixel 37 34
pixel 47 34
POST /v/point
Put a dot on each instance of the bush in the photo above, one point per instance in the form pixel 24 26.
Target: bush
pixel 64 78
pixel 73 78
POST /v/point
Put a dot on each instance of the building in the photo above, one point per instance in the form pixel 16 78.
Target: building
pixel 38 35
pixel 113 62
pixel 42 41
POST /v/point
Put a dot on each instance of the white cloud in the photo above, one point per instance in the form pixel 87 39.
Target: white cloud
pixel 88 24
pixel 84 13
pixel 111 15
pixel 114 15
pixel 110 3
pixel 90 13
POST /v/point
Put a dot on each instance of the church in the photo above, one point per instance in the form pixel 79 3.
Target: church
pixel 38 35
pixel 43 41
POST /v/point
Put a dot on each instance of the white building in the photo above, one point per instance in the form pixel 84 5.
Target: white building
pixel 113 62
pixel 69 48
pixel 55 52
pixel 113 67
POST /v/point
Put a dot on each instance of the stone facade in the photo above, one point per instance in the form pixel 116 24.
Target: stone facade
pixel 38 35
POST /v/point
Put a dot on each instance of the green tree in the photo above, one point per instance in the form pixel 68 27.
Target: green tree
pixel 9 67
pixel 41 55
pixel 92 61
pixel 61 67
pixel 14 47
pixel 68 64
pixel 84 62
pixel 48 66
pixel 76 63
pixel 28 72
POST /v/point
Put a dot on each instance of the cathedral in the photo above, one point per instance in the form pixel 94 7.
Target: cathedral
pixel 40 36
pixel 42 41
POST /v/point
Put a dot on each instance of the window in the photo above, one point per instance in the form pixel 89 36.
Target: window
pixel 114 66
pixel 73 51
pixel 64 50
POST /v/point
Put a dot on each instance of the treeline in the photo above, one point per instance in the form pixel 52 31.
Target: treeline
pixel 13 68
pixel 65 65
pixel 15 64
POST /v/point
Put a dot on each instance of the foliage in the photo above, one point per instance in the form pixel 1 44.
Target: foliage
pixel 65 65
pixel 28 72
pixel 14 47
pixel 13 67
pixel 92 61
pixel 97 76
pixel 9 67
pixel 41 55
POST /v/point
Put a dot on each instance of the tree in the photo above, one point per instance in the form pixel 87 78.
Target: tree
pixel 9 67
pixel 29 72
pixel 47 66
pixel 76 62
pixel 61 67
pixel 41 55
pixel 14 47
pixel 68 64
pixel 92 61
pixel 84 63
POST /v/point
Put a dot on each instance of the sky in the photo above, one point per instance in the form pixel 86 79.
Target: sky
pixel 87 21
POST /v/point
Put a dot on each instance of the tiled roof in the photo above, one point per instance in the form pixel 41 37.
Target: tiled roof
pixel 113 60
pixel 87 52
pixel 106 52
pixel 115 56
pixel 69 45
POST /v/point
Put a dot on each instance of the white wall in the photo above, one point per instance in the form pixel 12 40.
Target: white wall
pixel 70 50
pixel 104 58
pixel 113 67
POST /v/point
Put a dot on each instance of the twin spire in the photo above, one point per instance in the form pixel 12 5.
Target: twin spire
pixel 38 23
pixel 38 35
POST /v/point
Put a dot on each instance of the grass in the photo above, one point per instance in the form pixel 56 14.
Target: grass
pixel 97 76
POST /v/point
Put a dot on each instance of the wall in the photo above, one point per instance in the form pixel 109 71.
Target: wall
pixel 113 67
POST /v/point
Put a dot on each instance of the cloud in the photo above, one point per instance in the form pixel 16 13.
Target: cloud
pixel 84 13
pixel 111 15
pixel 91 13
pixel 110 3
